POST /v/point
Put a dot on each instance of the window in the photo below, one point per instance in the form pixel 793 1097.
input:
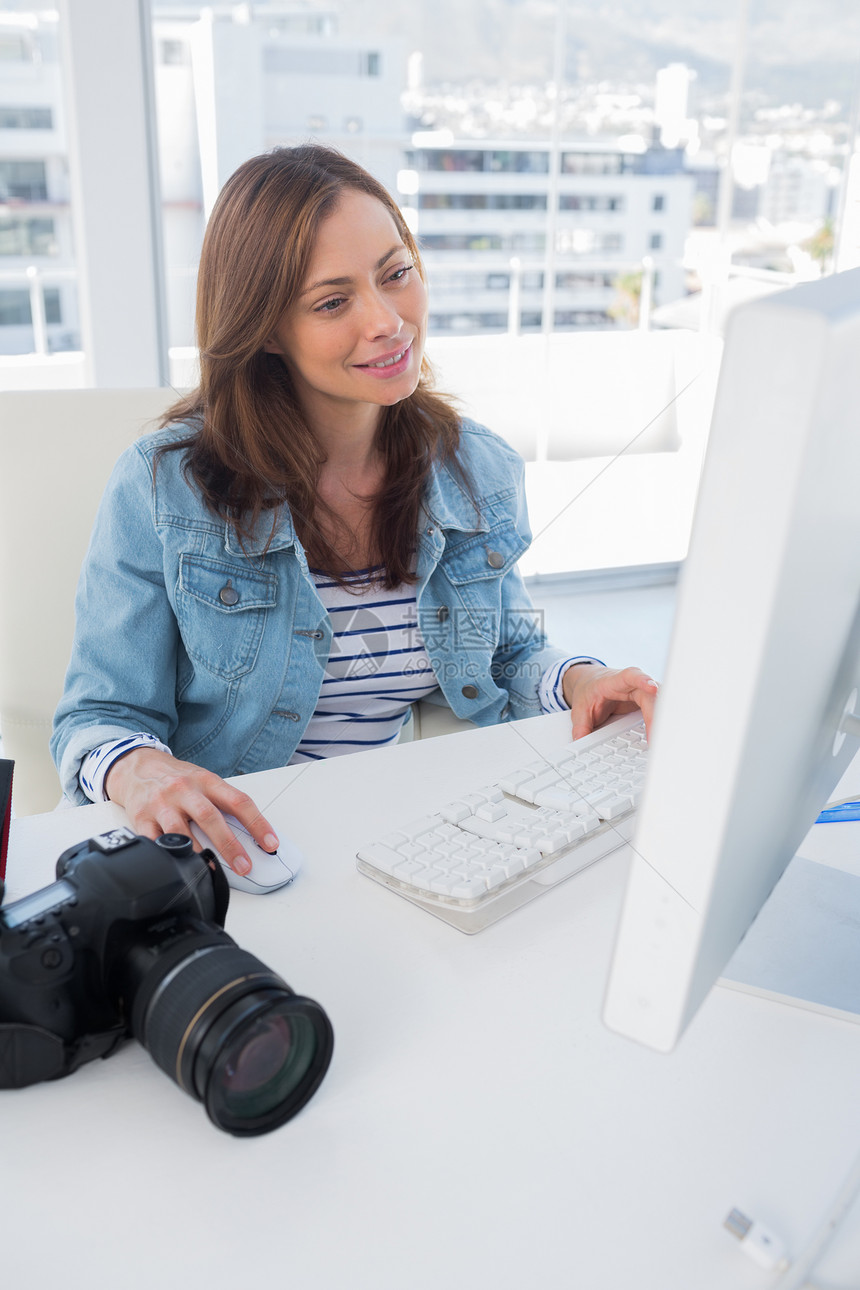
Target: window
pixel 53 312
pixel 526 242
pixel 27 237
pixel 484 241
pixel 497 161
pixel 534 163
pixel 447 281
pixel 317 123
pixel 655 242
pixel 353 125
pixel 462 242
pixel 468 322
pixel 24 180
pixel 590 202
pixel 26 118
pixel 587 241
pixel 576 241
pixel 571 319
pixel 15 307
pixel 482 201
pixel 592 163
pixel 583 281
pixel 372 64
pixel 658 202
pixel 449 159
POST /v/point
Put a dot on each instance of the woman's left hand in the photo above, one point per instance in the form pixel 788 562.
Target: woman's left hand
pixel 594 694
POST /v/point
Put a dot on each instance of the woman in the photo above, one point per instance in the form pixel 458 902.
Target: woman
pixel 313 476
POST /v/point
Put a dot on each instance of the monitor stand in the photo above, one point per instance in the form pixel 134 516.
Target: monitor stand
pixel 804 946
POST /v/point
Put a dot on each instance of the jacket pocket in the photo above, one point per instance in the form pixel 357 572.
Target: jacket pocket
pixel 221 609
pixel 475 565
pixel 479 557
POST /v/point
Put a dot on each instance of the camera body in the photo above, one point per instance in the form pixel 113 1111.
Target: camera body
pixel 129 941
pixel 63 949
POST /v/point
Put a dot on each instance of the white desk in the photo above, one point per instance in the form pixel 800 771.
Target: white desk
pixel 479 1127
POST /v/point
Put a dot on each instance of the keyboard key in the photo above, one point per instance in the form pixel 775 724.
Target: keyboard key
pixel 411 849
pixel 556 796
pixel 510 783
pixel 383 857
pixel 611 806
pixel 406 871
pixel 469 889
pixel 492 811
pixel 454 812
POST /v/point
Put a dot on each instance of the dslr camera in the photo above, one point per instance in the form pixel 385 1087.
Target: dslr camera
pixel 129 941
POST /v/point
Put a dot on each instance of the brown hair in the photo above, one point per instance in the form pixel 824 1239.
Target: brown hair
pixel 250 449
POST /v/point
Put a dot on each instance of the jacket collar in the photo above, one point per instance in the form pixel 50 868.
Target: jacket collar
pixel 264 539
pixel 448 504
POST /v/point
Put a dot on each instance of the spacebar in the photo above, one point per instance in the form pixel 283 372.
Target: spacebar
pixel 587 852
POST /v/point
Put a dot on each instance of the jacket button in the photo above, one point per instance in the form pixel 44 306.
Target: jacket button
pixel 228 595
pixel 282 712
pixel 495 559
pixel 442 613
pixel 469 691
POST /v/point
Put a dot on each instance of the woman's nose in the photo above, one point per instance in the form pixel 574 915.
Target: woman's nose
pixel 381 317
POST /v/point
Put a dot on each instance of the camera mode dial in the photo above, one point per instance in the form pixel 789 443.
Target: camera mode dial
pixel 178 844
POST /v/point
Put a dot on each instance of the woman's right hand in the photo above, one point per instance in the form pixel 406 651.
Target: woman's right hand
pixel 161 794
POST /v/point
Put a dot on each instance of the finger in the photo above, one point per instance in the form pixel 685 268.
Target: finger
pixel 647 704
pixel 581 724
pixel 175 822
pixel 246 811
pixel 221 836
pixel 625 684
pixel 145 827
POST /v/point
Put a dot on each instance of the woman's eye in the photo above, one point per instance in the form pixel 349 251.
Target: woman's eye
pixel 399 274
pixel 329 306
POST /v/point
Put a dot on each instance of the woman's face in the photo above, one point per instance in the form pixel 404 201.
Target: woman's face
pixel 354 338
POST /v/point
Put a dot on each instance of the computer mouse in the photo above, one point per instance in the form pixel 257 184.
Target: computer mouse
pixel 268 872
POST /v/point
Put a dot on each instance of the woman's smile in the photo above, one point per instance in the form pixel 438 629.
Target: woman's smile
pixel 389 365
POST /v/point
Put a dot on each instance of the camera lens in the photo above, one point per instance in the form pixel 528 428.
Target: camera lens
pixel 260 1069
pixel 229 1031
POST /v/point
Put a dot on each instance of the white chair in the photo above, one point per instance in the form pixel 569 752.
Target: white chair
pixel 57 449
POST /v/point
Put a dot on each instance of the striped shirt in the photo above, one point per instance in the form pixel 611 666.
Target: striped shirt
pixel 377 667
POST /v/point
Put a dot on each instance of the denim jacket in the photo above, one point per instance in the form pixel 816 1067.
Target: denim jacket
pixel 220 651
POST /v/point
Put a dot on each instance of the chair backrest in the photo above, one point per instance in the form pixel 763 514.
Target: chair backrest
pixel 57 449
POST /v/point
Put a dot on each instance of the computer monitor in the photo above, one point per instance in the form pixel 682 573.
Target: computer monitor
pixel 754 722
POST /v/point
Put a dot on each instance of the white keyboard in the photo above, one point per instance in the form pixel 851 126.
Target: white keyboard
pixel 491 850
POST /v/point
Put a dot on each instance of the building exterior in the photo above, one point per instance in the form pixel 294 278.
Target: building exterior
pixel 37 290
pixel 233 81
pixel 230 82
pixel 486 212
pixel 798 189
